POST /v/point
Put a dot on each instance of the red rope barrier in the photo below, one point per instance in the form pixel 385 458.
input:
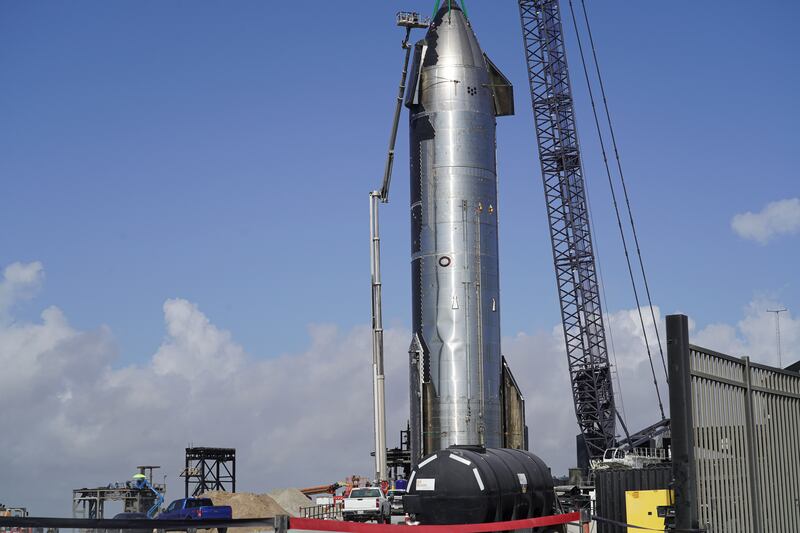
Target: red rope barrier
pixel 355 527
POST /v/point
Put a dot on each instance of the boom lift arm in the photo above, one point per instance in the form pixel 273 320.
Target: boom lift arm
pixel 141 482
pixel 407 21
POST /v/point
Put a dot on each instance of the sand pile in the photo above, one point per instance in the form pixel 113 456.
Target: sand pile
pixel 246 505
pixel 291 500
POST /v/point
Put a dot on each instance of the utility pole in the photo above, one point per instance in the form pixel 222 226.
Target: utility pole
pixel 778 330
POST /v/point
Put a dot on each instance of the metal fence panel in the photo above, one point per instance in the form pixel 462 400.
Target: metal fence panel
pixel 746 427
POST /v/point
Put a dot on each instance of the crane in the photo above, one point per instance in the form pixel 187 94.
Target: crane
pixel 571 236
pixel 570 231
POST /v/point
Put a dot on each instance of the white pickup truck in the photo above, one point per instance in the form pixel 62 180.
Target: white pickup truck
pixel 365 504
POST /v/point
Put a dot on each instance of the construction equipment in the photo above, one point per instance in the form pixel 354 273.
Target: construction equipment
pixel 320 489
pixel 136 496
pixel 642 508
pixel 570 232
pixel 408 21
pixel 141 482
pixel 16 512
pixel 570 229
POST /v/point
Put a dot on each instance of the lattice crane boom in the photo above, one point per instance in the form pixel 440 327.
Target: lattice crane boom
pixel 570 231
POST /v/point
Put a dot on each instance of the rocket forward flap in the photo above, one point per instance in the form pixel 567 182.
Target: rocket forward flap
pixel 502 90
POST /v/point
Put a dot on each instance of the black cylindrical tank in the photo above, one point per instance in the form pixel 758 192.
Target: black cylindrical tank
pixel 471 484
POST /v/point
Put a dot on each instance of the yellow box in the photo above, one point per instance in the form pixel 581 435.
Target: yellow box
pixel 642 507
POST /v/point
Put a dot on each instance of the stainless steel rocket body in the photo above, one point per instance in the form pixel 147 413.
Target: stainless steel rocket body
pixel 456 387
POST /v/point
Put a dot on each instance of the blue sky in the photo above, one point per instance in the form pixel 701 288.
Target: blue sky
pixel 194 176
pixel 223 154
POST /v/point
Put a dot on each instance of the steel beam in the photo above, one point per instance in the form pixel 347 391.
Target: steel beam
pixel 680 404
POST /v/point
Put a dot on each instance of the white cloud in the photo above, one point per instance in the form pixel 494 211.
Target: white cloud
pixel 755 335
pixel 79 418
pixel 19 281
pixel 540 366
pixel 777 218
pixel 194 347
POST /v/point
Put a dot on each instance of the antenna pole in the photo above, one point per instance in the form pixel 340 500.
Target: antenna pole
pixel 778 330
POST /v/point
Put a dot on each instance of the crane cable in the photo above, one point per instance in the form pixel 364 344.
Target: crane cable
pixel 616 207
pixel 624 188
pixel 605 310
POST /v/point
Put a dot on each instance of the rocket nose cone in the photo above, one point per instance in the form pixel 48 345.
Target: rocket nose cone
pixel 448 8
pixel 451 39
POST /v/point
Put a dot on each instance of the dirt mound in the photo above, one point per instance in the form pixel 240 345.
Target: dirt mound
pixel 246 505
pixel 291 500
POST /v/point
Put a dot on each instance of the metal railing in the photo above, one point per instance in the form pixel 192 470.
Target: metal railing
pixel 410 19
pixel 328 511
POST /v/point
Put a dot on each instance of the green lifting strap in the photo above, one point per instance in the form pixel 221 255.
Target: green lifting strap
pixel 449 7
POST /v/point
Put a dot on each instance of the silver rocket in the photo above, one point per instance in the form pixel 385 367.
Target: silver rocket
pixel 454 95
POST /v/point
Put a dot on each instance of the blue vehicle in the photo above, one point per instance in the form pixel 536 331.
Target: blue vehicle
pixel 196 509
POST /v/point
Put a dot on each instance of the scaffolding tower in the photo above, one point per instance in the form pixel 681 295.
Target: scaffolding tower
pixel 209 469
pixel 399 459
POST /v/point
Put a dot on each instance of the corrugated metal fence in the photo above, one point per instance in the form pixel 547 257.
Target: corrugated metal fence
pixel 746 430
